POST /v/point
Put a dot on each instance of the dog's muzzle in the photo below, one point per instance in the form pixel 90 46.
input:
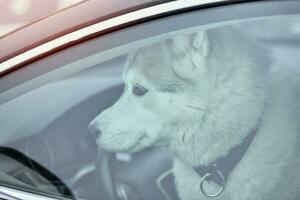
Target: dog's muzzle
pixel 94 130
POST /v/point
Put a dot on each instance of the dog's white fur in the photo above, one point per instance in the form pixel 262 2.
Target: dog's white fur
pixel 206 92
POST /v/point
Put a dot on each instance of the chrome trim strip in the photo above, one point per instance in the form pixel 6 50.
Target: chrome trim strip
pixel 102 26
pixel 15 194
pixel 3 195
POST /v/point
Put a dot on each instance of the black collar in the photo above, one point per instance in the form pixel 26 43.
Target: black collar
pixel 224 165
pixel 219 170
pixel 227 163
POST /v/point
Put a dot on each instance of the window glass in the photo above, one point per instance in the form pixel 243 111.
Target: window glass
pixel 190 114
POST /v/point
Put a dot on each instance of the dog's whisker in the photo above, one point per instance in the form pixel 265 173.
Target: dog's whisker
pixel 195 107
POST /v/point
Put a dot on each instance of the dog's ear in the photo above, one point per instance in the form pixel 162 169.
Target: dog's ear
pixel 201 43
pixel 191 53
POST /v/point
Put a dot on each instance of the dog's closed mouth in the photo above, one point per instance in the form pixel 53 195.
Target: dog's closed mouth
pixel 142 142
pixel 137 145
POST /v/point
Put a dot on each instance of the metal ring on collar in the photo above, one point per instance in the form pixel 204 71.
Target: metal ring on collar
pixel 222 184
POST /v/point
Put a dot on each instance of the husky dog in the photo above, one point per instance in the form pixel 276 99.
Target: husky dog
pixel 200 95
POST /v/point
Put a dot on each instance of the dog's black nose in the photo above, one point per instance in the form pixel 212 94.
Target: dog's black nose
pixel 94 130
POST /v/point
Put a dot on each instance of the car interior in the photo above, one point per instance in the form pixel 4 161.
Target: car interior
pixel 49 125
pixel 61 142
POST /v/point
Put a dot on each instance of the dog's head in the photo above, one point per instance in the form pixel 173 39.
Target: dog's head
pixel 175 90
pixel 158 95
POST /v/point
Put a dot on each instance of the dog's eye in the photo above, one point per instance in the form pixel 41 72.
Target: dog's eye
pixel 139 90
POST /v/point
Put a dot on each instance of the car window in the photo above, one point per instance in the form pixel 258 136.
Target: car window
pixel 198 110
